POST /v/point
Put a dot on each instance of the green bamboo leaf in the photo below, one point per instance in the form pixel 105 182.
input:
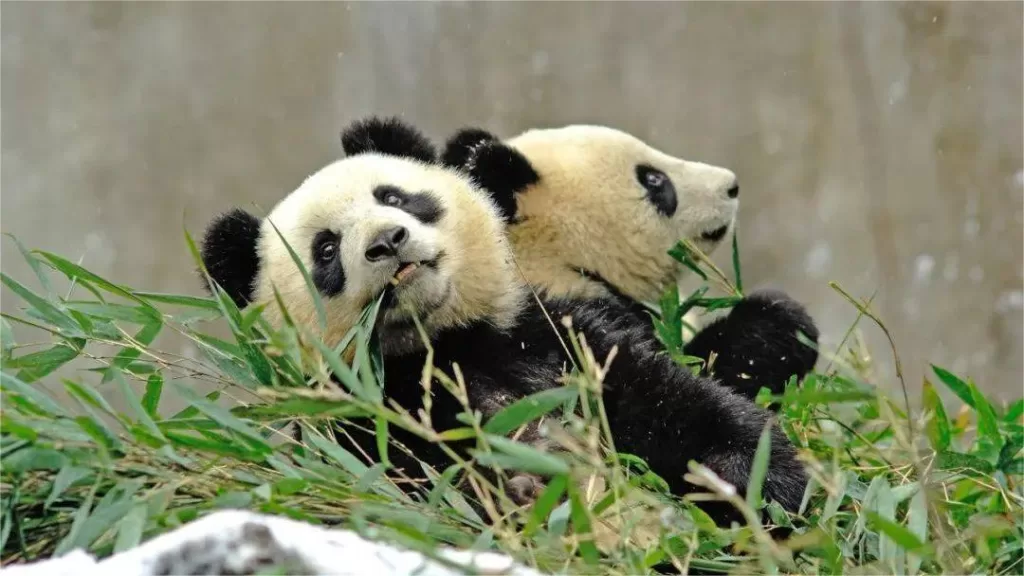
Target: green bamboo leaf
pixel 12 384
pixel 129 354
pixel 133 402
pixel 50 313
pixel 937 426
pixel 99 433
pixel 529 409
pixel 691 300
pixel 957 461
pixel 958 386
pixel 219 446
pixel 897 533
pixel 1015 411
pixel 1013 445
pixel 67 477
pixel 151 399
pixel 73 271
pixel 109 511
pixel 7 342
pixel 545 504
pixel 81 515
pixel 223 417
pixel 682 254
pixel 39 364
pixel 130 528
pixel 90 397
pixel 512 455
pixel 736 261
pixel 179 300
pixel 33 262
pixel 318 303
pixel 344 374
pixel 309 407
pixel 132 314
pixel 192 411
pixel 759 469
pixel 582 527
pixel 988 429
pixel 917 524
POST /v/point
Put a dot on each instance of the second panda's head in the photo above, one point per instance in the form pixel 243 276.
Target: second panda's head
pixel 386 218
pixel 593 210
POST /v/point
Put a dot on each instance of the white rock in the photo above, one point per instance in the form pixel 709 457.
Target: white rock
pixel 239 542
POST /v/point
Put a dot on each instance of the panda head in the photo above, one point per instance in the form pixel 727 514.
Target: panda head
pixel 593 210
pixel 385 218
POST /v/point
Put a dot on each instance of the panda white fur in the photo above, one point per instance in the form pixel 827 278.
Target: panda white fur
pixel 593 211
pixel 362 220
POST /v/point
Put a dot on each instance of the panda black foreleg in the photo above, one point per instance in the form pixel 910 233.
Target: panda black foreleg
pixel 756 345
pixel 659 411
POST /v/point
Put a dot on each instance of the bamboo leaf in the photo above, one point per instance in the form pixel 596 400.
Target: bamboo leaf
pixel 529 409
pixel 759 468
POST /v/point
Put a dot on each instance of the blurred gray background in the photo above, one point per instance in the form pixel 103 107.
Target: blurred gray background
pixel 879 144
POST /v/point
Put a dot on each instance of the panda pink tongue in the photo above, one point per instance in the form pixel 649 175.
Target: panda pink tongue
pixel 404 273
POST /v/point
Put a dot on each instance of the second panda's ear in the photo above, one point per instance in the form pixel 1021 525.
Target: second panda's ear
pixel 502 171
pixel 230 256
pixel 389 136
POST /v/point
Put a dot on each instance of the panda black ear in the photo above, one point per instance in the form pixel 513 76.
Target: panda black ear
pixel 389 136
pixel 459 147
pixel 230 256
pixel 502 171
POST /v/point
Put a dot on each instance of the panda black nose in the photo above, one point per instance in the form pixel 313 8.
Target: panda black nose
pixel 734 190
pixel 386 243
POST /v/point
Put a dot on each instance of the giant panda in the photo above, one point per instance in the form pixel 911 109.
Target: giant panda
pixel 390 211
pixel 592 212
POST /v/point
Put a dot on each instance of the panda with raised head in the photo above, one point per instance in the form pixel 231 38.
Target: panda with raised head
pixel 593 212
pixel 390 211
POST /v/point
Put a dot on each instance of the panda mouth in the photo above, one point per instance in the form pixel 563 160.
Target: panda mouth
pixel 407 269
pixel 404 271
pixel 716 234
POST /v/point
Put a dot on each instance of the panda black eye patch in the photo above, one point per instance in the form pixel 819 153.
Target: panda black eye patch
pixel 328 274
pixel 660 191
pixel 422 206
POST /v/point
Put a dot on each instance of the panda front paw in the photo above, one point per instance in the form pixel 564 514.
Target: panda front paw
pixel 524 489
pixel 774 316
pixel 765 340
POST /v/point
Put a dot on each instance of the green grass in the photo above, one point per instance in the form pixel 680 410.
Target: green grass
pixel 938 491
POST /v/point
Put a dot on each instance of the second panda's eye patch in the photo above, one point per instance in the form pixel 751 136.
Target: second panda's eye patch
pixel 660 190
pixel 424 207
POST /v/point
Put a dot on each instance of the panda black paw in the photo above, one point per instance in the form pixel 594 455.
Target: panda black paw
pixel 765 340
pixel 773 316
pixel 524 489
pixel 774 313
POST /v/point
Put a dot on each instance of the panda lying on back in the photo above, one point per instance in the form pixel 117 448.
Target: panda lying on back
pixel 389 211
pixel 592 213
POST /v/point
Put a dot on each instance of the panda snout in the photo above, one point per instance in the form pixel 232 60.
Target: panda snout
pixel 734 190
pixel 385 244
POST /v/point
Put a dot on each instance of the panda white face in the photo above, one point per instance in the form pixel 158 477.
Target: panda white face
pixel 374 223
pixel 607 203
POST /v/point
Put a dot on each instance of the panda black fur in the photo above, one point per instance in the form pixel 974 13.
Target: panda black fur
pixel 592 213
pixel 485 321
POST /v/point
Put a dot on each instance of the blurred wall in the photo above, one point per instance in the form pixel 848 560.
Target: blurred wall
pixel 879 144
